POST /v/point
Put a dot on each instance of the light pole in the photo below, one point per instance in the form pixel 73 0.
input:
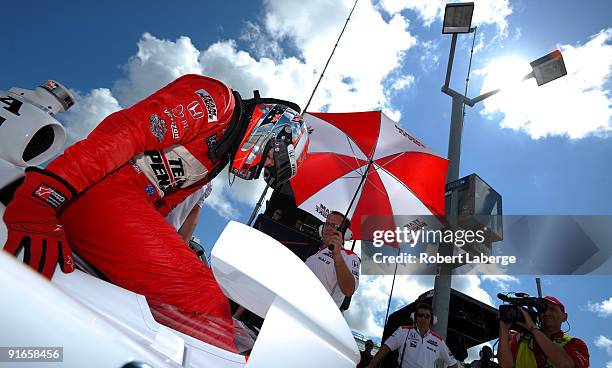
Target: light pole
pixel 458 19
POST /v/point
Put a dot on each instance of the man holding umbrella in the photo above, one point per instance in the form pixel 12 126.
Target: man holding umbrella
pixel 335 266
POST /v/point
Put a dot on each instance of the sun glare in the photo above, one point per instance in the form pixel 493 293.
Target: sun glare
pixel 505 72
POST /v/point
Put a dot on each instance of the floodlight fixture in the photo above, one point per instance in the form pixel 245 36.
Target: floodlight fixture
pixel 457 18
pixel 548 67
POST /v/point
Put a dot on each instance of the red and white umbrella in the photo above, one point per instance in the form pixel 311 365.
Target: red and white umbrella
pixel 402 175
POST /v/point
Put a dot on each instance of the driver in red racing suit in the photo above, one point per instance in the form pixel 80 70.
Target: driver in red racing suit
pixel 108 194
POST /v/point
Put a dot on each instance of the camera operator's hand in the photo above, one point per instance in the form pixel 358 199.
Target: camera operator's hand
pixel 504 354
pixel 505 326
pixel 529 325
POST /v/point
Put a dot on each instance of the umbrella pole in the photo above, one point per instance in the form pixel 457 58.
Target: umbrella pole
pixel 392 284
pixel 258 205
pixel 363 178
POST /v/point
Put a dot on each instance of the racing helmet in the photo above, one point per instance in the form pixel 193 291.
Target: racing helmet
pixel 275 126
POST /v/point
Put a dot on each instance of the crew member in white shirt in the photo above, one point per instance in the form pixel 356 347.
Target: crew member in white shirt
pixel 418 346
pixel 184 217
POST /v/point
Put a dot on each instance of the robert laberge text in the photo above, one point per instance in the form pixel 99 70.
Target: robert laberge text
pixel 425 258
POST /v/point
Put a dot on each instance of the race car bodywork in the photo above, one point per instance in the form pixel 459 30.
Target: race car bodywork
pixel 101 324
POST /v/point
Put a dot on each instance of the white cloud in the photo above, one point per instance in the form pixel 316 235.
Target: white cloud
pixel 369 50
pixel 261 43
pixel 282 19
pixel 492 12
pixel 286 79
pixel 157 63
pixel 402 82
pixel 575 106
pixel 485 11
pixel 605 343
pixel 471 285
pixel 369 304
pixel 88 112
pixel 603 308
pixel 218 200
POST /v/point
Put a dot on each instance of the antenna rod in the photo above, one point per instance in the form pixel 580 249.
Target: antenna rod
pixel 467 78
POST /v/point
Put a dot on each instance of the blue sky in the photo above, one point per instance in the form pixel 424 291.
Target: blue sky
pixel 546 150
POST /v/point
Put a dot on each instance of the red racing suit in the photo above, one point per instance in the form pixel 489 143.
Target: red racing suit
pixel 130 172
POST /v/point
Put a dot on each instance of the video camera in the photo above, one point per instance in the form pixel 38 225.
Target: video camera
pixel 511 313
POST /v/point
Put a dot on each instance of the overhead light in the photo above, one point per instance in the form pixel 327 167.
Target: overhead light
pixel 548 68
pixel 457 18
